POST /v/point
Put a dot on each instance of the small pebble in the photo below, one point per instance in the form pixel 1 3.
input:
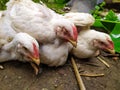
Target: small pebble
pixel 6 77
pixel 44 89
pixel 55 85
pixel 115 58
pixel 19 77
pixel 1 67
pixel 65 74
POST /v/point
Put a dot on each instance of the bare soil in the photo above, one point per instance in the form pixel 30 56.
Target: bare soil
pixel 20 76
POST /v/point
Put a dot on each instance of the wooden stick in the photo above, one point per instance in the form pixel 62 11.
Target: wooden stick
pixel 100 59
pixel 92 75
pixel 111 55
pixel 78 77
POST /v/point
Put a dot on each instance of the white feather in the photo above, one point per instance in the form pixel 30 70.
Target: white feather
pixel 80 19
pixel 55 54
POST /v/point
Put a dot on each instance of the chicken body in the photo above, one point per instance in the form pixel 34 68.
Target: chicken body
pixel 39 21
pixel 55 54
pixel 6 31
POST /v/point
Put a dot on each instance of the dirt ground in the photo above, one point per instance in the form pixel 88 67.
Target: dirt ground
pixel 20 76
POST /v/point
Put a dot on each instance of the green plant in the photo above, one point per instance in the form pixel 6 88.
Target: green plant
pixel 56 5
pixel 97 10
pixel 2 4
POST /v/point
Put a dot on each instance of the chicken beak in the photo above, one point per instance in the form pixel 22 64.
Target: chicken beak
pixel 74 43
pixel 36 60
pixel 112 51
pixel 35 64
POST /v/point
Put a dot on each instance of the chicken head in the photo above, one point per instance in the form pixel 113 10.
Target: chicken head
pixel 67 31
pixel 29 49
pixel 105 43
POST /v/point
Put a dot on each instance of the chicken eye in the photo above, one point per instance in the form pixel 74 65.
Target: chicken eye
pixel 25 49
pixel 65 32
pixel 102 43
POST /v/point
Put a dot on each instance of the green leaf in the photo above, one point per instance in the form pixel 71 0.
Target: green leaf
pixel 97 23
pixel 115 35
pixel 98 8
pixel 2 4
pixel 108 25
pixel 111 16
pixel 116 40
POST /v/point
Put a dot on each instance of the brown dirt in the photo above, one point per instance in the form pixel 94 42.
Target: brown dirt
pixel 20 76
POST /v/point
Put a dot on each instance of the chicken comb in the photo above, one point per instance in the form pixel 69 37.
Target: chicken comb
pixel 111 44
pixel 75 32
pixel 36 52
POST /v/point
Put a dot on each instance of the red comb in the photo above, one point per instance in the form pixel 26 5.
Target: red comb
pixel 75 32
pixel 36 51
pixel 111 44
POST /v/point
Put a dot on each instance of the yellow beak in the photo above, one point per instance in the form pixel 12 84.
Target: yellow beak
pixel 36 60
pixel 112 51
pixel 35 64
pixel 74 43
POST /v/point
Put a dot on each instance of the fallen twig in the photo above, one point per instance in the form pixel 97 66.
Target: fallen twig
pixel 92 64
pixel 111 55
pixel 92 75
pixel 79 79
pixel 99 58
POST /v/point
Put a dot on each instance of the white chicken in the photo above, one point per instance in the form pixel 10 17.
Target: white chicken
pixel 17 46
pixel 89 41
pixel 24 48
pixel 40 22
